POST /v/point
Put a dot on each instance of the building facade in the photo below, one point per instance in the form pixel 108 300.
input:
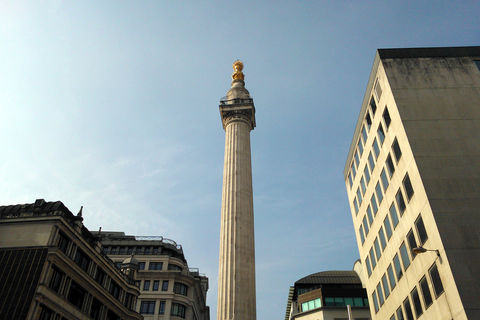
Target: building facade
pixel 169 289
pixel 412 177
pixel 236 271
pixel 326 295
pixel 54 269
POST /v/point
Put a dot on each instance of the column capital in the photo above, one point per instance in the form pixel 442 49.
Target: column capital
pixel 237 110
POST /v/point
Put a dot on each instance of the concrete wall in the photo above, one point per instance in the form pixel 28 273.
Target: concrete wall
pixel 25 235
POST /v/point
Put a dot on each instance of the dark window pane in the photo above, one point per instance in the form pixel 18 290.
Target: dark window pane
pixel 380 294
pixel 368 120
pixel 417 305
pixel 357 159
pixel 375 302
pixel 100 276
pixel 436 281
pixel 350 181
pixel 364 135
pixel 82 260
pixel 388 227
pixel 421 231
pixel 165 285
pixel 365 225
pixel 63 242
pixel 379 193
pixel 146 285
pixel 141 266
pixel 373 201
pixel 386 118
pixel 178 268
pixel 369 215
pixel 398 268
pixel 360 148
pixel 76 295
pixel 180 288
pixel 161 309
pixel 178 310
pixel 390 166
pixel 46 313
pixel 378 90
pixel 372 258
pixel 427 297
pixel 412 243
pixel 354 172
pixel 396 150
pixel 369 269
pixel 385 286
pixel 56 279
pixel 367 174
pixel 156 285
pixel 400 202
pixel 408 309
pixel 400 314
pixel 114 289
pixel 155 265
pixel 147 307
pixel 355 205
pixel 391 277
pixel 394 215
pixel 404 254
pixel 377 249
pixel 381 236
pixel 384 178
pixel 95 309
pixel 373 105
pixel 376 149
pixel 360 232
pixel 362 185
pixel 359 197
pixel 381 133
pixel 408 187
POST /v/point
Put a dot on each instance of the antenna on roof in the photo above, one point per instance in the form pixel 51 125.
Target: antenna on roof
pixel 79 214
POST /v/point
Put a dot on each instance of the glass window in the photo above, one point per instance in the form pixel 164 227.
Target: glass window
pixel 384 178
pixel 385 286
pixel 141 266
pixel 386 118
pixel 153 265
pixel 355 205
pixel 368 120
pixel 329 301
pixel 417 305
pixel 365 225
pixel 392 317
pixel 56 279
pixel 379 193
pixel 63 242
pixel 380 294
pixel 394 215
pixel 360 232
pixel 369 269
pixel 371 162
pixel 375 302
pixel 412 243
pixel 357 159
pixel 114 289
pixel 377 249
pixel 391 277
pixel 369 215
pixel 82 260
pixel 398 268
pixel 404 254
pixel 178 310
pixel 180 288
pixel 408 309
pixel 363 186
pixel 427 297
pixel 376 149
pixel 100 276
pixel 378 90
pixel 95 309
pixel 359 196
pixel 408 187
pixel 436 281
pixel 304 306
pixel 146 285
pixel 350 180
pixel 76 294
pixel 311 305
pixel 421 231
pixel 360 147
pixel 381 133
pixel 161 309
pixel 46 313
pixel 147 307
pixel 364 134
pixel 396 150
pixel 381 236
pixel 388 227
pixel 373 106
pixel 400 314
pixel 372 258
pixel 165 285
pixel 156 285
pixel 367 174
pixel 373 201
pixel 354 172
pixel 400 202
pixel 390 166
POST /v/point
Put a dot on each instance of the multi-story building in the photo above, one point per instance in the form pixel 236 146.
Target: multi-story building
pixel 326 295
pixel 52 268
pixel 412 177
pixel 169 289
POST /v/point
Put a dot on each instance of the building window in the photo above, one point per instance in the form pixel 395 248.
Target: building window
pixel 417 305
pixel 165 285
pixel 390 166
pixel 391 277
pixel 394 215
pixel 364 135
pixel 386 118
pixel 146 285
pixel 396 150
pixel 112 315
pixel 408 309
pixel 155 266
pixel 367 174
pixel 178 310
pixel 312 304
pixel 76 294
pixel 373 106
pixel 354 173
pixel 376 149
pixel 365 225
pixel 412 243
pixel 156 285
pixel 137 283
pixel 388 227
pixel 355 205
pixel 100 276
pixel 400 314
pixel 385 286
pixel 46 313
pixel 129 301
pixel 369 215
pixel 372 258
pixel 377 249
pixel 381 236
pixel 362 185
pixel 350 180
pixel 63 242
pixel 178 268
pixel 180 288
pixel 360 147
pixel 384 178
pixel 82 260
pixel 369 268
pixel 371 162
pixel 114 289
pixel 375 302
pixel 398 268
pixel 436 281
pixel 379 193
pixel 368 120
pixel 408 187
pixel 400 202
pixel 141 266
pixel 373 201
pixel 404 255
pixel 427 297
pixel 147 307
pixel 359 197
pixel 56 280
pixel 360 232
pixel 161 309
pixel 357 159
pixel 95 309
pixel 421 231
pixel 378 90
pixel 381 133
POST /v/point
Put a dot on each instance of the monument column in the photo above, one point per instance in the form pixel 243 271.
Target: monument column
pixel 236 274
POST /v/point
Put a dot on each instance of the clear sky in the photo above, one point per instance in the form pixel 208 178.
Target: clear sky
pixel 113 105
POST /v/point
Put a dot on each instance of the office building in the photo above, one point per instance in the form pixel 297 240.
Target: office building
pixel 169 289
pixel 52 268
pixel 236 272
pixel 412 177
pixel 325 296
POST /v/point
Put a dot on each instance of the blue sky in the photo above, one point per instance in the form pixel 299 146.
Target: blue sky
pixel 113 105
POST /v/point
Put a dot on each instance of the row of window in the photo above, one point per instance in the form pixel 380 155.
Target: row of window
pixel 48 314
pixel 335 302
pixel 87 265
pixel 77 295
pixel 177 309
pixel 178 287
pixel 153 266
pixel 135 250
pixel 407 313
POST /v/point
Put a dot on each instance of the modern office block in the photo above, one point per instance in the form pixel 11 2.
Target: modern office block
pixel 413 183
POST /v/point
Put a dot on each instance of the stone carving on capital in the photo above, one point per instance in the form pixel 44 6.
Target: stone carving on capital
pixel 237 115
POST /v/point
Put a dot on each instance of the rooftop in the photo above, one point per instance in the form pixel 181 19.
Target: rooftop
pixel 434 52
pixel 331 277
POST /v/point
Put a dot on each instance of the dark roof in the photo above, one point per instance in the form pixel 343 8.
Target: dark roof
pixel 434 52
pixel 331 277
